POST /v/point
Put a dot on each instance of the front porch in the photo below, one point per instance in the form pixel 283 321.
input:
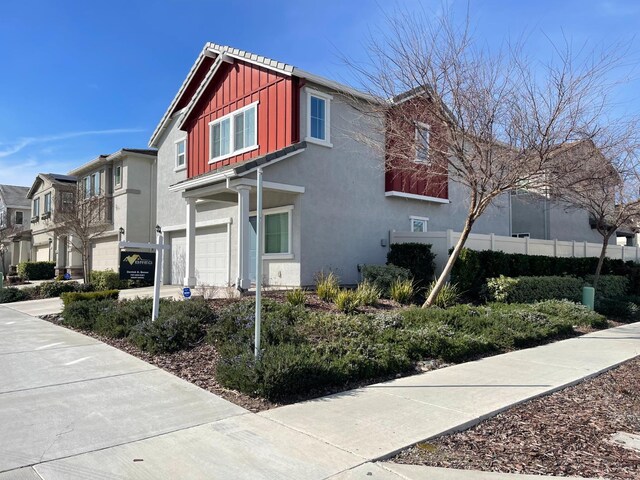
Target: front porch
pixel 218 246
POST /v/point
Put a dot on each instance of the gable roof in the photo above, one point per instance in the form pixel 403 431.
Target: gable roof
pixel 14 196
pixel 102 159
pixel 208 62
pixel 53 178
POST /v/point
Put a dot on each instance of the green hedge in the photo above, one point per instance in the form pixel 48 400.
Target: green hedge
pixel 383 276
pixel 36 270
pixel 415 257
pixel 473 268
pixel 12 294
pixel 305 352
pixel 72 297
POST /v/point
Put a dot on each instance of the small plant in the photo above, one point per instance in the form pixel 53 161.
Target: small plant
pixel 296 297
pixel 70 297
pixel 327 286
pixel 347 301
pixel 368 294
pixel 402 291
pixel 448 296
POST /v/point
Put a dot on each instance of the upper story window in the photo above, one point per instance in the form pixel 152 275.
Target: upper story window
pixel 423 137
pixel 3 219
pixel 96 185
pixel 181 154
pixel 67 201
pixel 36 207
pixel 419 224
pixel 86 184
pixel 47 202
pixel 233 134
pixel 117 176
pixel 318 117
pixel 19 218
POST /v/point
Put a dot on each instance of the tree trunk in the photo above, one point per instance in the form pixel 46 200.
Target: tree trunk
pixel 85 266
pixel 603 253
pixel 442 279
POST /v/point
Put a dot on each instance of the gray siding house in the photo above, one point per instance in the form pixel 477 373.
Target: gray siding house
pixel 15 236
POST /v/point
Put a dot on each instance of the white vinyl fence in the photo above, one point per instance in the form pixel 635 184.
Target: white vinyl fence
pixel 443 241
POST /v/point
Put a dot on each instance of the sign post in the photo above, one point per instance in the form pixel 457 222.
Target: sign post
pixel 139 265
pixel 259 226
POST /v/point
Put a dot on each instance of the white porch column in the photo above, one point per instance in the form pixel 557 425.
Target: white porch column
pixel 190 254
pixel 242 280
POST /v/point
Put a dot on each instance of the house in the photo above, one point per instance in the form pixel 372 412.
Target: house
pixel 15 211
pixel 114 195
pixel 329 201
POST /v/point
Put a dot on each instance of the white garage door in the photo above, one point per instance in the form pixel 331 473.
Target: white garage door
pixel 104 255
pixel 42 254
pixel 211 256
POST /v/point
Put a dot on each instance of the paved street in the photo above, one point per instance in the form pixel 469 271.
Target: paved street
pixel 74 408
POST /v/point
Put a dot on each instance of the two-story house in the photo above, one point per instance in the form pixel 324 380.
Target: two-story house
pixel 118 193
pixel 329 201
pixel 125 182
pixel 15 237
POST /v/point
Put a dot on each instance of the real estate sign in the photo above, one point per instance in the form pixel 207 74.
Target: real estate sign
pixel 137 266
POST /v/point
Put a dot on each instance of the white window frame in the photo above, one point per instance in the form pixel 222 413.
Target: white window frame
pixel 232 134
pixel 271 211
pixel 177 167
pixel 310 92
pixel 421 219
pixel 35 206
pixel 418 139
pixel 117 184
pixel 48 196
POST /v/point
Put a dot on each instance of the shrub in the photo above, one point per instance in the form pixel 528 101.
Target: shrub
pixel 327 286
pixel 56 288
pixel 118 322
pixel 347 301
pixel 624 309
pixel 106 280
pixel 71 297
pixel 448 296
pixel 534 289
pixel 12 294
pixel 415 257
pixel 402 291
pixel 36 270
pixel 610 286
pixel 368 293
pixel 296 297
pixel 169 333
pixel 383 276
pixel 573 313
pixel 85 314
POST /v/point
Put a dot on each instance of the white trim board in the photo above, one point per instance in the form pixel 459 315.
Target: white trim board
pixel 424 198
pixel 202 224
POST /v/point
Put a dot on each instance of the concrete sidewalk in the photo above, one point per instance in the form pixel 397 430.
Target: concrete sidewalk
pixel 48 306
pixel 74 408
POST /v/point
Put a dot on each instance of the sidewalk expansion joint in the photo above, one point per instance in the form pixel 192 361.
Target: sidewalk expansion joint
pixel 35 350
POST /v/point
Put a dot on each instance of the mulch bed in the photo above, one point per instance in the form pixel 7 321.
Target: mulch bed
pixel 564 434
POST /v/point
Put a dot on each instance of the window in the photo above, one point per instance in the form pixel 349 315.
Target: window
pixel 67 201
pixel 276 233
pixel 19 218
pixel 47 203
pixel 233 134
pixel 181 154
pixel 36 207
pixel 96 186
pixel 117 176
pixel 521 235
pixel 419 224
pixel 87 187
pixel 318 106
pixel 423 134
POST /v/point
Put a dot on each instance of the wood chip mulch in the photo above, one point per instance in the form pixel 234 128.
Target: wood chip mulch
pixel 564 434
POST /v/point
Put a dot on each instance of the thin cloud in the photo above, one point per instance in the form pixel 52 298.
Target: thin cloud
pixel 21 143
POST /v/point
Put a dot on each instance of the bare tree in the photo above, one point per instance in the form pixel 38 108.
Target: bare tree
pixel 606 186
pixel 82 217
pixel 449 110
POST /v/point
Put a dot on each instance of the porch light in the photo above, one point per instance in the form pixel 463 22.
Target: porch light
pixel 121 231
pixel 158 229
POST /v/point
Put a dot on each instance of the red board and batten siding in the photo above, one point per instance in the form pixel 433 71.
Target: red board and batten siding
pixel 404 175
pixel 234 87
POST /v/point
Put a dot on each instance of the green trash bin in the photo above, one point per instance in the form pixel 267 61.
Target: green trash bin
pixel 588 296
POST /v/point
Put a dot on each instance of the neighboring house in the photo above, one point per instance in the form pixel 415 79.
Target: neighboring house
pixel 15 211
pixel 122 188
pixel 126 180
pixel 329 203
pixel 50 193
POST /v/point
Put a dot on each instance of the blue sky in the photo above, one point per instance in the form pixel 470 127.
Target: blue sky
pixel 81 78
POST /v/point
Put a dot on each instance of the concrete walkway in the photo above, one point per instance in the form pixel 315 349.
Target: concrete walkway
pixel 74 408
pixel 48 306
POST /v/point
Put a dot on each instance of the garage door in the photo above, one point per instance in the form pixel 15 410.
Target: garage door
pixel 211 256
pixel 104 255
pixel 42 254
